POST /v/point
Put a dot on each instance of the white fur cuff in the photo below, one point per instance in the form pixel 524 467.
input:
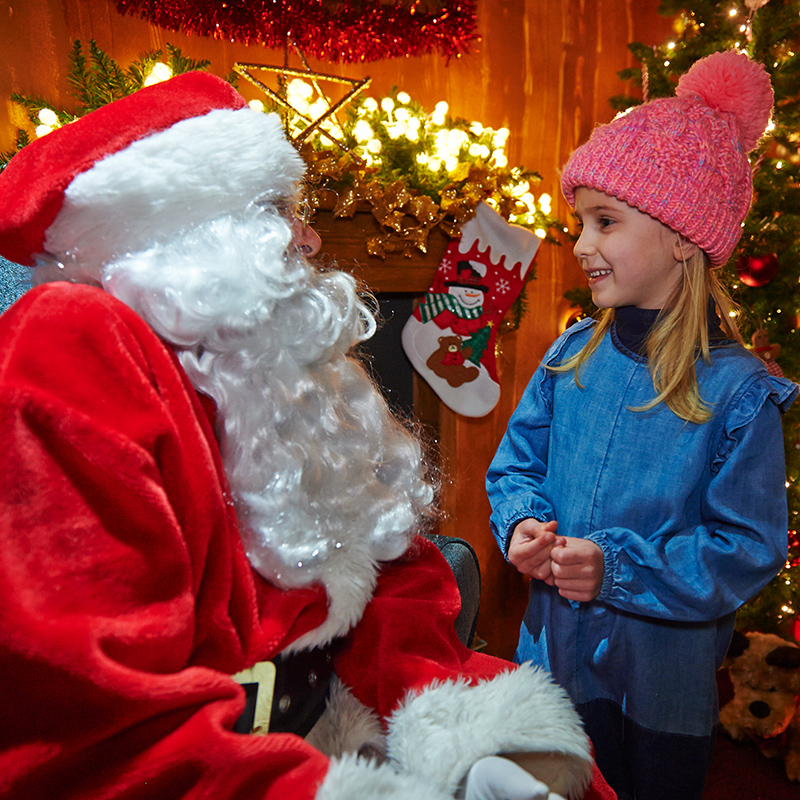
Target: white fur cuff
pixel 352 778
pixel 439 733
pixel 346 725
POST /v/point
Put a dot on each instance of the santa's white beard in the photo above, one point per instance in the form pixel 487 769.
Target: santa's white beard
pixel 325 480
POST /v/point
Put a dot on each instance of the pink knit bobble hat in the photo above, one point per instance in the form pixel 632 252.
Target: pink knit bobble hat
pixel 683 159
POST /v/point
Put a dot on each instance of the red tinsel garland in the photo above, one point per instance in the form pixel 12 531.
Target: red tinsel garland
pixel 332 30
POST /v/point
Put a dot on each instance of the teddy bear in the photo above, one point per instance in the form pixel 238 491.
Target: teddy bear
pixel 764 671
pixel 448 361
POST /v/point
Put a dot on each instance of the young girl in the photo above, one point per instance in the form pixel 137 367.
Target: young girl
pixel 640 482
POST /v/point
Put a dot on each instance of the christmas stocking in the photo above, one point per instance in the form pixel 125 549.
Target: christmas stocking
pixel 450 337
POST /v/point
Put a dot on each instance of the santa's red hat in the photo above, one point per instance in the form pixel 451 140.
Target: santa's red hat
pixel 168 156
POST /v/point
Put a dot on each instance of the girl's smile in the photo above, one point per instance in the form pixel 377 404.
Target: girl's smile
pixel 630 258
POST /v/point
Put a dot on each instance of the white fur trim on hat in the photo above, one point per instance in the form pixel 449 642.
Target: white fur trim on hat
pixel 442 731
pixel 197 170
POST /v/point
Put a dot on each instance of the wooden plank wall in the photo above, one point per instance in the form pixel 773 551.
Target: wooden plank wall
pixel 544 69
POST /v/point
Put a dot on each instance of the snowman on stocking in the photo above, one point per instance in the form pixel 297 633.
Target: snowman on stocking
pixel 450 337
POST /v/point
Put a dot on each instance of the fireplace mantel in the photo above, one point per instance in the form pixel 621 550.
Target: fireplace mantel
pixel 343 240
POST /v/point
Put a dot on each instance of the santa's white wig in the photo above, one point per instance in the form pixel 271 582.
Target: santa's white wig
pixel 186 227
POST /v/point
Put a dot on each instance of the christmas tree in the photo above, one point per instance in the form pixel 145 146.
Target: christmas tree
pixel 764 272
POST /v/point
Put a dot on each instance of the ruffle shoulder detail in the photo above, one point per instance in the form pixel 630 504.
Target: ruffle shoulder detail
pixel 569 343
pixel 746 405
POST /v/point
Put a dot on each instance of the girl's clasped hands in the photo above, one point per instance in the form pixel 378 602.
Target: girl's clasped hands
pixel 574 566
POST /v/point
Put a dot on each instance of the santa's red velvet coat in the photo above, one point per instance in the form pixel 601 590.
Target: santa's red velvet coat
pixel 126 599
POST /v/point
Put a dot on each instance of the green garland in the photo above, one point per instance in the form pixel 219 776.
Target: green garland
pixel 415 171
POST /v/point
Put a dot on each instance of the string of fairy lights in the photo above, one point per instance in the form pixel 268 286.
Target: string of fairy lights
pixel 442 148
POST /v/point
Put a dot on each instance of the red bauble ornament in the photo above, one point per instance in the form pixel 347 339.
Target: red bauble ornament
pixel 757 270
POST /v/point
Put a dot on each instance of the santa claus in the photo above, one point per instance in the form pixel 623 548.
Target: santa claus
pixel 197 478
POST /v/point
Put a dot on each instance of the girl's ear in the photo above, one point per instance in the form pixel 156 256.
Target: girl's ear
pixel 683 249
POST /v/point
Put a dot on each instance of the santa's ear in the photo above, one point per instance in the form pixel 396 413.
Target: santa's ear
pixel 683 249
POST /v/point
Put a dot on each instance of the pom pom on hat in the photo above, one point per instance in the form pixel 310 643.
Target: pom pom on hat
pixel 683 159
pixel 731 83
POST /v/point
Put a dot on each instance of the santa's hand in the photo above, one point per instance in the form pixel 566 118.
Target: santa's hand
pixel 497 778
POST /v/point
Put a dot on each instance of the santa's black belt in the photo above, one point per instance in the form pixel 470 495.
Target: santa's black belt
pixel 302 681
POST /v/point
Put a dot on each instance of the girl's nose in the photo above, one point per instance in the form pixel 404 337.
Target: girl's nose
pixel 582 246
pixel 305 238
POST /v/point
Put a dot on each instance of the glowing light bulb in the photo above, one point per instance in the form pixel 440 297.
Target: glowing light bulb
pixel 520 188
pixel 451 163
pixel 500 159
pixel 439 113
pixel 456 139
pixel 362 131
pixel 256 105
pixel 48 117
pixel 387 104
pixel 404 98
pixel 159 72
pixel 545 203
pixel 374 146
pixel 397 129
pixel 370 104
pixel 318 108
pixel 42 130
pixel 434 164
pixel 540 232
pixel 300 88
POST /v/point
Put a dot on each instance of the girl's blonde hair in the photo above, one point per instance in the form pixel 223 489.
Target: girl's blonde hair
pixel 678 338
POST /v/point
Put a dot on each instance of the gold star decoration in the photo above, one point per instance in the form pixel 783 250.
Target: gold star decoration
pixel 281 99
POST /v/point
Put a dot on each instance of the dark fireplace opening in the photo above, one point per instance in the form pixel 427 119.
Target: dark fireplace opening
pixel 384 353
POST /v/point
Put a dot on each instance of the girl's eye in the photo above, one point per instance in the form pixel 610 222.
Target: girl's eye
pixel 604 222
